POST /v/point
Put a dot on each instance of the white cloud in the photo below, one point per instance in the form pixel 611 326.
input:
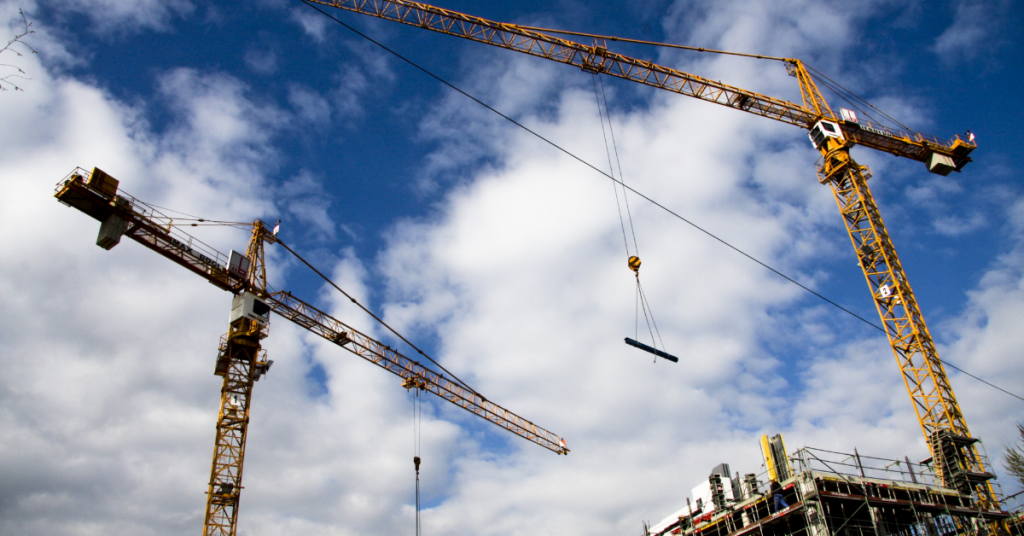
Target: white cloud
pixel 521 275
pixel 311 107
pixel 957 226
pixel 369 68
pixel 975 30
pixel 304 199
pixel 313 23
pixel 108 400
pixel 261 61
pixel 988 344
pixel 131 15
pixel 108 397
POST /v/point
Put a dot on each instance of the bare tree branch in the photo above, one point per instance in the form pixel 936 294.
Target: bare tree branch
pixel 13 46
pixel 1013 460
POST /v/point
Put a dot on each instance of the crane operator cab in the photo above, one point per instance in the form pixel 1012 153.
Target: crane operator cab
pixel 823 130
pixel 248 305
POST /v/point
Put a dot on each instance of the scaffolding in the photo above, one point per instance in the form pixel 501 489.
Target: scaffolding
pixel 837 494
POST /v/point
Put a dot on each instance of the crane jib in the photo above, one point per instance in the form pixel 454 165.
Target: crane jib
pixel 188 249
pixel 153 230
pixel 598 59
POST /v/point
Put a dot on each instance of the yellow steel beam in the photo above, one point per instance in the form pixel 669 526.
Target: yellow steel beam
pixel 415 373
pixel 597 58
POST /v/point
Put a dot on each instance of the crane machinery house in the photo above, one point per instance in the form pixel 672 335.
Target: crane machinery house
pixel 248 305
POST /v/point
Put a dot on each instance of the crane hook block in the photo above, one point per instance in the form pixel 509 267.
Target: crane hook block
pixel 654 351
pixel 634 264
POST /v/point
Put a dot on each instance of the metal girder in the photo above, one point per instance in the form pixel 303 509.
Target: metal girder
pixel 336 331
pixel 590 58
pixel 598 59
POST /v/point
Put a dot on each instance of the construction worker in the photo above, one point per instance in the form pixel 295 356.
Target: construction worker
pixel 777 494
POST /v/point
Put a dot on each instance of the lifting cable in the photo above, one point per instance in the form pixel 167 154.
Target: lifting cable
pixel 605 113
pixel 625 187
pixel 841 91
pixel 417 427
pixel 377 318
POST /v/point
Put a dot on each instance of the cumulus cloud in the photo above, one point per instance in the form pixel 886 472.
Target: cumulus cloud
pixel 261 61
pixel 975 29
pixel 109 401
pixel 312 23
pixel 304 199
pixel 988 343
pixel 131 15
pixel 518 274
pixel 309 105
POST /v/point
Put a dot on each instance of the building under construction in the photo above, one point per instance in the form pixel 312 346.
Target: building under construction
pixel 827 493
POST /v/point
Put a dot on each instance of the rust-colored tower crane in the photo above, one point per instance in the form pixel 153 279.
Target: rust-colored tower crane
pixel 952 447
pixel 240 360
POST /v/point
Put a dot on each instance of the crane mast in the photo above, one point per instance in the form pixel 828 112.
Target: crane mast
pixel 953 450
pixel 240 359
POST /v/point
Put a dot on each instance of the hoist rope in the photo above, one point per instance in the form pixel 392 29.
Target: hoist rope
pixel 646 306
pixel 625 187
pixel 641 297
pixel 618 163
pixel 615 187
pixel 654 43
pixel 375 317
pixel 417 428
pixel 843 92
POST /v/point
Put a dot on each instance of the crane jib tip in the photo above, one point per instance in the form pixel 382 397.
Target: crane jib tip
pixel 652 350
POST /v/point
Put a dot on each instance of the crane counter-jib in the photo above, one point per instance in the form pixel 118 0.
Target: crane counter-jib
pixel 120 214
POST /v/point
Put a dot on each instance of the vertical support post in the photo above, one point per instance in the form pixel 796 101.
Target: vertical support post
pixel 237 363
pixel 910 468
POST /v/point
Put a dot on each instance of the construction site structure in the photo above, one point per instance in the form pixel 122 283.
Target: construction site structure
pixel 240 359
pixel 956 459
pixel 826 493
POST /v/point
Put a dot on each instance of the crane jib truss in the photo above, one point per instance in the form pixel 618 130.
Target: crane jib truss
pixel 597 58
pixel 953 451
pixel 145 227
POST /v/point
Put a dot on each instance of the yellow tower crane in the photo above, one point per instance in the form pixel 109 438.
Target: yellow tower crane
pixel 240 360
pixel 953 449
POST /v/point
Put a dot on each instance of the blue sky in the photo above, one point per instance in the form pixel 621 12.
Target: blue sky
pixel 499 255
